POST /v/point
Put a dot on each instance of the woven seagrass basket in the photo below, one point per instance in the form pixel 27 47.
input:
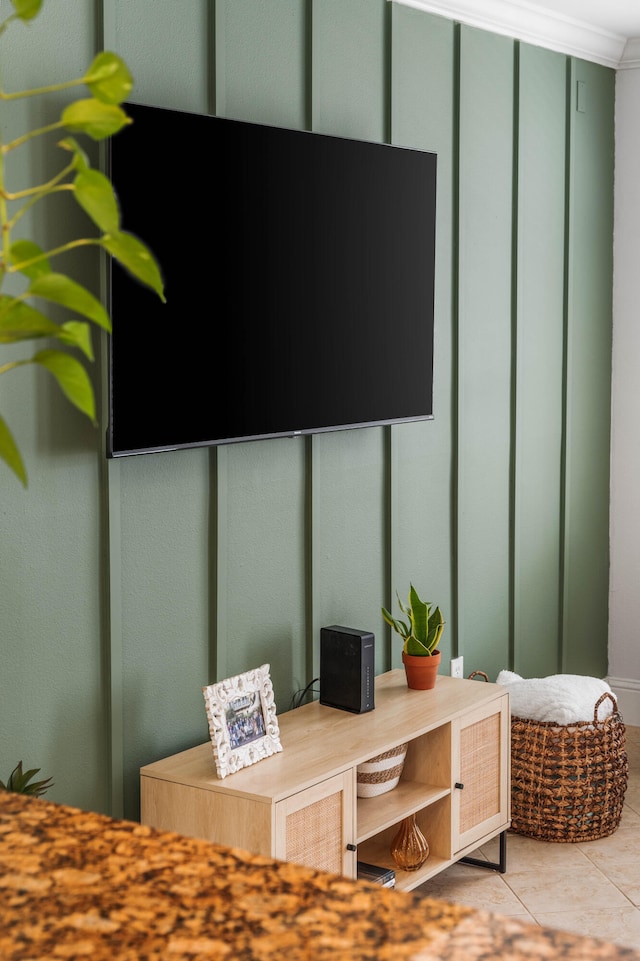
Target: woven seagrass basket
pixel 568 781
pixel 381 773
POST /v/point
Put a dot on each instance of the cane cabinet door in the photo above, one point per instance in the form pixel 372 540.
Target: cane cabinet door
pixel 316 827
pixel 481 773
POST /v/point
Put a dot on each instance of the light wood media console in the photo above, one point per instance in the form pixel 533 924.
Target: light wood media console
pixel 301 805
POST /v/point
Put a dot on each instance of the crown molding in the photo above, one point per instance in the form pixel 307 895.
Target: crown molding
pixel 523 21
pixel 631 56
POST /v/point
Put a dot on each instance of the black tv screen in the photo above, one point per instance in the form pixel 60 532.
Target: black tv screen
pixel 299 281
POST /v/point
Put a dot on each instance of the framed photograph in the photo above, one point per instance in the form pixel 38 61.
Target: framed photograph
pixel 243 725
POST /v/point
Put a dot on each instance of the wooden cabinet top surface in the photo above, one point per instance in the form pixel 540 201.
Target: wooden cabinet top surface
pixel 320 741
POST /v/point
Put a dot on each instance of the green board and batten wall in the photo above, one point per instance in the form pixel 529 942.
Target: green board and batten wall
pixel 127 586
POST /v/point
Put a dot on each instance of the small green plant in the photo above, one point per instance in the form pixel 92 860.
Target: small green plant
pixel 422 630
pixel 20 782
pixel 99 117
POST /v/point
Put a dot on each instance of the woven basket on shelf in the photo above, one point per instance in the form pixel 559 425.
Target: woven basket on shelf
pixel 381 773
pixel 568 781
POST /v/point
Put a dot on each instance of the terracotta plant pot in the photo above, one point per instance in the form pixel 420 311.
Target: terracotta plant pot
pixel 421 671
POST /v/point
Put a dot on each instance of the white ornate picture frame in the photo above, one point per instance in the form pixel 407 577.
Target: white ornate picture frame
pixel 243 724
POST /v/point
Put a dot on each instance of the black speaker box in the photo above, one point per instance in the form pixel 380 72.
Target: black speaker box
pixel 347 669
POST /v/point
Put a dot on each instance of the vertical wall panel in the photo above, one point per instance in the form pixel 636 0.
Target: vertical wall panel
pixel 539 361
pixel 348 532
pixel 164 590
pixel 422 115
pixel 586 548
pixel 165 46
pixel 348 92
pixel 164 502
pixel 348 95
pixel 261 61
pixel 260 76
pixel 484 347
pixel 51 698
pixel 264 563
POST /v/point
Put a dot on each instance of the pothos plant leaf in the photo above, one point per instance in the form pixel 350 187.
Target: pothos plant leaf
pixel 96 196
pixel 28 258
pixel 95 118
pixel 80 160
pixel 108 78
pixel 136 257
pixel 9 452
pixel 92 189
pixel 20 321
pixel 60 289
pixel 26 9
pixel 72 378
pixel 75 333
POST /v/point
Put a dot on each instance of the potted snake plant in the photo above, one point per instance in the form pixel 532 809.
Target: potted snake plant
pixel 21 782
pixel 420 631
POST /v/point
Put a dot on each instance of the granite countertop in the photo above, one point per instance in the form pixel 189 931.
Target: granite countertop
pixel 76 885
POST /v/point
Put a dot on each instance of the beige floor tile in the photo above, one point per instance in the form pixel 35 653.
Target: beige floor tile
pixel 632 797
pixel 618 856
pixel 626 878
pixel 633 734
pixel 622 845
pixel 620 927
pixel 474 887
pixel 544 891
pixel 633 751
pixel 530 854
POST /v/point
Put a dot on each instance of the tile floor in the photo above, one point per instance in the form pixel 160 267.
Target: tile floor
pixel 590 888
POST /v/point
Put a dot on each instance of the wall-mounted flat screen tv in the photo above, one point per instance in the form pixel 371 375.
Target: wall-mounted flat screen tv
pixel 299 282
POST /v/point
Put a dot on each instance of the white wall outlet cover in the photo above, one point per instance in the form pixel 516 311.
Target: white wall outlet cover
pixel 457 667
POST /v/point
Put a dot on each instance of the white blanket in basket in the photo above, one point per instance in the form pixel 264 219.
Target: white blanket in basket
pixel 561 698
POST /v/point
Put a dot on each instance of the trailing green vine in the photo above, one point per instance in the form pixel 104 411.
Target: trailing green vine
pixel 98 117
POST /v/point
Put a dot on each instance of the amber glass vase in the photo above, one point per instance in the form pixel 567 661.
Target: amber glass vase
pixel 409 848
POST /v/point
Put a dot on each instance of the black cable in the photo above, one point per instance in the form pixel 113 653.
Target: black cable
pixel 299 696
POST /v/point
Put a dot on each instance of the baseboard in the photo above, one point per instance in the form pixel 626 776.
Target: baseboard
pixel 627 692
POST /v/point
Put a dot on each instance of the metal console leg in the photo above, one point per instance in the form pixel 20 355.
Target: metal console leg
pixel 500 866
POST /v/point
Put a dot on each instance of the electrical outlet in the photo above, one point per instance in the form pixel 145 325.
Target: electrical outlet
pixel 457 668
